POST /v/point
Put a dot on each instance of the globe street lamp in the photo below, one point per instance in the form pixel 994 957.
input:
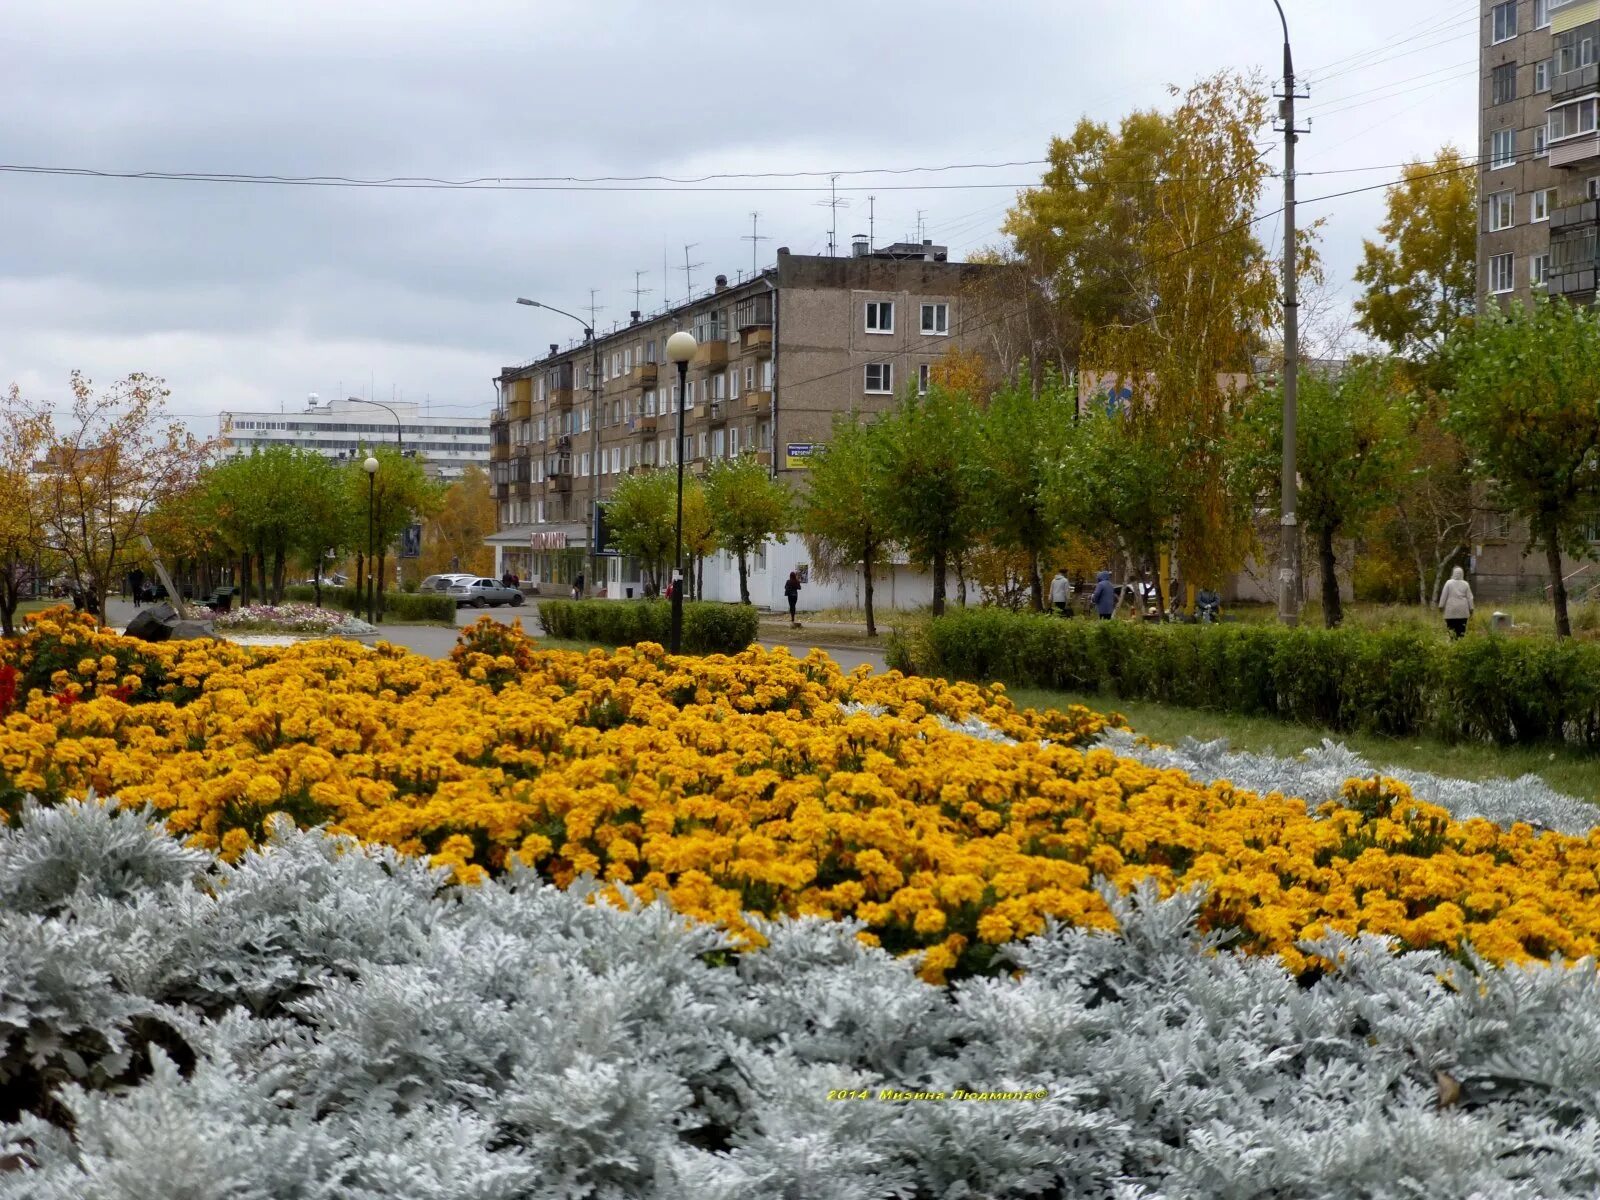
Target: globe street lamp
pixel 371 468
pixel 680 349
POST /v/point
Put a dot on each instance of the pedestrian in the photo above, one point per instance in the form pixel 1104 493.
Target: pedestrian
pixel 136 585
pixel 577 587
pixel 1104 598
pixel 1060 591
pixel 791 592
pixel 508 580
pixel 1455 599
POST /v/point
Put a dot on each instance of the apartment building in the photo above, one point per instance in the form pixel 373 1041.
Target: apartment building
pixel 341 428
pixel 779 356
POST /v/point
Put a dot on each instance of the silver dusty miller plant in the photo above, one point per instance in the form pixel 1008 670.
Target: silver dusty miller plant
pixel 327 1020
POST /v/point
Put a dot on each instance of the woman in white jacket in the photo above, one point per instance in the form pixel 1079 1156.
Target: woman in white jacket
pixel 1455 598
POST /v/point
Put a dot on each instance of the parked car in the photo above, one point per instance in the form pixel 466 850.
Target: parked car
pixel 441 583
pixel 484 593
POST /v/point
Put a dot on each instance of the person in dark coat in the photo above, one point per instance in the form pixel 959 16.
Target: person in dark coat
pixel 1104 599
pixel 136 585
pixel 577 587
pixel 791 592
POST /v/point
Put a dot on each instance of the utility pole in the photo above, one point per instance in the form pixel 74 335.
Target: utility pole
pixel 1289 531
pixel 688 269
pixel 755 239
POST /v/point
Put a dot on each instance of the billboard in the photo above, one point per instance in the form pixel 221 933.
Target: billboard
pixel 797 456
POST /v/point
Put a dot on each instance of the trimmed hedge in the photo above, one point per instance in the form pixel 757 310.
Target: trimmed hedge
pixel 397 606
pixel 1398 682
pixel 707 628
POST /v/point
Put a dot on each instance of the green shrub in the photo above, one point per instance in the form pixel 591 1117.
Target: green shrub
pixel 397 606
pixel 1398 681
pixel 707 628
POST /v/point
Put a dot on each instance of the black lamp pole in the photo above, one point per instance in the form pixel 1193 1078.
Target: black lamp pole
pixel 372 614
pixel 677 583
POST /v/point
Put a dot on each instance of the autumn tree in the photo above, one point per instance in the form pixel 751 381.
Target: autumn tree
pixel 1526 402
pixel 24 435
pixel 700 539
pixel 1420 281
pixel 642 517
pixel 841 513
pixel 397 495
pixel 1351 442
pixel 116 457
pixel 925 459
pixel 748 506
pixel 453 539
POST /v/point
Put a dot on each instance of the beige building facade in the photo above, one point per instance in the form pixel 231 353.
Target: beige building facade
pixel 779 357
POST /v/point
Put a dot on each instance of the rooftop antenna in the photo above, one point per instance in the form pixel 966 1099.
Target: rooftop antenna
pixel 755 239
pixel 666 276
pixel 872 215
pixel 593 307
pixel 920 211
pixel 689 269
pixel 835 202
pixel 639 291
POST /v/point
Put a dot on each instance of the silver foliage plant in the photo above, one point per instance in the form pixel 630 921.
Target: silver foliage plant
pixel 1320 772
pixel 328 1020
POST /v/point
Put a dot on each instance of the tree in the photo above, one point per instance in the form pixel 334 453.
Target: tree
pixel 24 434
pixel 400 494
pixel 1527 404
pixel 453 539
pixel 1021 445
pixel 1350 447
pixel 700 539
pixel 118 457
pixel 841 513
pixel 748 506
pixel 642 516
pixel 1421 280
pixel 925 460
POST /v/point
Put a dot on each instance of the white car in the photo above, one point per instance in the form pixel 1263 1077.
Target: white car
pixel 484 593
pixel 442 583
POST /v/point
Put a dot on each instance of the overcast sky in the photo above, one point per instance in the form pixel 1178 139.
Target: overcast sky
pixel 253 296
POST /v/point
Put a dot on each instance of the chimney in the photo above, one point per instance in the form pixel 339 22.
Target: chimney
pixel 722 283
pixel 783 252
pixel 633 316
pixel 860 245
pixel 554 347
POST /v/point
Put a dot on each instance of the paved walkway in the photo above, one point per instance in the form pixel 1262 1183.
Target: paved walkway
pixel 435 641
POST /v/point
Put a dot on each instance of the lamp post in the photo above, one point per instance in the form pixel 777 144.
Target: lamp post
pixel 399 430
pixel 371 468
pixel 680 349
pixel 594 421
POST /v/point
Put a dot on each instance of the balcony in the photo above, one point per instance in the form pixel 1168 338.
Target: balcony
pixel 717 411
pixel 1580 151
pixel 642 425
pixel 757 401
pixel 500 449
pixel 557 484
pixel 756 343
pixel 519 410
pixel 711 355
pixel 753 313
pixel 643 375
pixel 1577 82
pixel 560 398
pixel 1573 215
pixel 764 457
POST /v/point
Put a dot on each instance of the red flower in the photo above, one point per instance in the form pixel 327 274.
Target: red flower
pixel 66 699
pixel 8 687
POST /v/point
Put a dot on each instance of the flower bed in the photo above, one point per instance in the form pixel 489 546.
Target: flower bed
pixel 761 784
pixel 287 618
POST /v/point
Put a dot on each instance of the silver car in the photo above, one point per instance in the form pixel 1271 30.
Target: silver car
pixel 441 583
pixel 484 593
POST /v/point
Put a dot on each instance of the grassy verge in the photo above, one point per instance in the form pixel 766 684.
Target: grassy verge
pixel 1567 771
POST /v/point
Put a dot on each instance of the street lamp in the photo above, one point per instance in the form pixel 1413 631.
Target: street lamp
pixel 680 349
pixel 371 468
pixel 399 431
pixel 594 420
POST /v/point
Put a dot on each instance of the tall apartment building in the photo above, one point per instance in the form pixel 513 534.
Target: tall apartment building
pixel 779 356
pixel 340 428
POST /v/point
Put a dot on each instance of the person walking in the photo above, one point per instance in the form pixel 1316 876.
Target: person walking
pixel 791 592
pixel 1060 592
pixel 1104 598
pixel 577 587
pixel 136 585
pixel 1455 599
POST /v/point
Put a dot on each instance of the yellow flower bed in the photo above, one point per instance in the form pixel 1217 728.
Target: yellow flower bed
pixel 737 784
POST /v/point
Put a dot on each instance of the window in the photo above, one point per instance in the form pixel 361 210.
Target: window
pixel 880 316
pixel 880 377
pixel 922 380
pixel 1541 76
pixel 1541 14
pixel 1503 83
pixel 650 403
pixel 1500 211
pixel 1591 187
pixel 1570 120
pixel 750 378
pixel 733 442
pixel 1505 20
pixel 1540 204
pixel 733 383
pixel 716 444
pixel 935 318
pixel 1538 270
pixel 688 396
pixel 719 386
pixel 1501 273
pixel 1573 52
pixel 1540 141
pixel 766 375
pixel 1502 148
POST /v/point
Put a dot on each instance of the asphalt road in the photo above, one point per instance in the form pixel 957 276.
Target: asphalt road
pixel 435 641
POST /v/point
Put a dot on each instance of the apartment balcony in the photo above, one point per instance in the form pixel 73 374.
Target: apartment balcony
pixel 1580 151
pixel 764 457
pixel 754 312
pixel 756 343
pixel 500 490
pixel 557 484
pixel 757 401
pixel 519 410
pixel 643 375
pixel 717 411
pixel 710 355
pixel 499 451
pixel 1577 82
pixel 642 425
pixel 560 399
pixel 1574 216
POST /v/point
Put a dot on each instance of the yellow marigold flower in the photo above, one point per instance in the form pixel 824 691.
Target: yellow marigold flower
pixel 993 928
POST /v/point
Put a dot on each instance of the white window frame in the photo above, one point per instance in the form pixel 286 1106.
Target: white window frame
pixel 733 441
pixel 1539 270
pixel 885 382
pixel 1585 105
pixel 1541 141
pixel 1541 75
pixel 1541 14
pixel 766 375
pixel 1502 148
pixel 1502 274
pixel 750 377
pixel 922 379
pixel 879 316
pixel 1539 205
pixel 939 324
pixel 1502 211
pixel 1497 26
pixel 733 383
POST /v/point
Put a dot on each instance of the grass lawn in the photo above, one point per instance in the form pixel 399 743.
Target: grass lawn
pixel 1565 770
pixel 1530 618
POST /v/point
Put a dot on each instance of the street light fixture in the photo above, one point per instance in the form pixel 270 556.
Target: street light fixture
pixel 680 349
pixel 594 421
pixel 371 468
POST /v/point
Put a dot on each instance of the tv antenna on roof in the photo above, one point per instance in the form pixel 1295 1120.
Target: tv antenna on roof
pixel 639 291
pixel 835 202
pixel 755 239
pixel 689 269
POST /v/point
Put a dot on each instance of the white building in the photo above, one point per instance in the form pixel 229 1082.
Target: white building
pixel 339 428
